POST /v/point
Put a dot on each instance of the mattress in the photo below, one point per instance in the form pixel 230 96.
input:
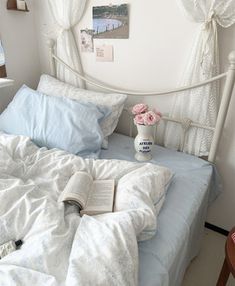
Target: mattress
pixel 164 259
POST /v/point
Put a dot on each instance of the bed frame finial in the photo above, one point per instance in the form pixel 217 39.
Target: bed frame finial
pixel 231 59
pixel 51 46
pixel 50 43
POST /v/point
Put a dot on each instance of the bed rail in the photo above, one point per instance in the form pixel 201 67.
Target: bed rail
pixel 186 123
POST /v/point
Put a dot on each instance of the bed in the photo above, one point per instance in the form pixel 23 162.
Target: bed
pixel 167 217
pixel 30 181
pixel 164 258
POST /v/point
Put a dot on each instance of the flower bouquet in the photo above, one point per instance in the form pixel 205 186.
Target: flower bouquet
pixel 144 119
pixel 144 116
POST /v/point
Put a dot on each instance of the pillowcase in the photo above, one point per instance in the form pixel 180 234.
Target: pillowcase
pixel 55 122
pixel 115 102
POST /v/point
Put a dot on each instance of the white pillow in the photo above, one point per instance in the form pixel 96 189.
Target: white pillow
pixel 114 101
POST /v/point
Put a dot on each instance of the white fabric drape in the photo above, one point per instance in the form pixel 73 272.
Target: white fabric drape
pixel 200 104
pixel 67 14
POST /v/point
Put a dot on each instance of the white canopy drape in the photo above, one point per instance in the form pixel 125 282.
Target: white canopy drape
pixel 200 104
pixel 67 14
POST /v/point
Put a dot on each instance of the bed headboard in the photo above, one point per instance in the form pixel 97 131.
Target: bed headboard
pixel 186 123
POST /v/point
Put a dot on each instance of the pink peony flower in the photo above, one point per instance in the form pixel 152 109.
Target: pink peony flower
pixel 150 118
pixel 139 108
pixel 144 116
pixel 139 119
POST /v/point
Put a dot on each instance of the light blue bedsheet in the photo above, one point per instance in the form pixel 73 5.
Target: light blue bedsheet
pixel 164 258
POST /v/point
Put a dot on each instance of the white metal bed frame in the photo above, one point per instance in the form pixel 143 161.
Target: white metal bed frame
pixel 186 123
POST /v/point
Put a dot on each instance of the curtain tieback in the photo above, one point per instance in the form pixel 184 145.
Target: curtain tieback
pixel 210 19
pixel 61 30
pixel 55 31
pixel 209 31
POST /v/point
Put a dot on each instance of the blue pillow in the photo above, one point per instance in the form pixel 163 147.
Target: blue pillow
pixel 55 122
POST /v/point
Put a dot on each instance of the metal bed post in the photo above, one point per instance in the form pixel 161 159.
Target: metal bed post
pixel 51 46
pixel 226 97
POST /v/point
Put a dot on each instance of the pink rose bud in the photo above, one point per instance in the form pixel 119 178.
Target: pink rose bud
pixel 139 119
pixel 139 108
pixel 150 118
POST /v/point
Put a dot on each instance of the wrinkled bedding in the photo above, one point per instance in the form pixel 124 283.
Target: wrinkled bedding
pixel 164 258
pixel 60 247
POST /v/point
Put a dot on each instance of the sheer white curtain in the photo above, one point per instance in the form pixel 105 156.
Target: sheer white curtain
pixel 67 14
pixel 200 104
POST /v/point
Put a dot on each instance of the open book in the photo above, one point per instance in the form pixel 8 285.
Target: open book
pixel 91 196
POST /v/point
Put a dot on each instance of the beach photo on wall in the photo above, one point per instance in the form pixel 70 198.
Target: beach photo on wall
pixel 111 22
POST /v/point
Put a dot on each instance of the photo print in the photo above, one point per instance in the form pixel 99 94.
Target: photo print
pixel 111 22
pixel 87 43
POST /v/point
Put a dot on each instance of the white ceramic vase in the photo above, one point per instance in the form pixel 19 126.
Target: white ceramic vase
pixel 144 142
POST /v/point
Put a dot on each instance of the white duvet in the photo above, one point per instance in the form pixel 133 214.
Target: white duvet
pixel 60 248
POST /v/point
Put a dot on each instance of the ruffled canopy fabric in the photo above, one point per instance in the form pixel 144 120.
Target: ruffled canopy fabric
pixel 200 104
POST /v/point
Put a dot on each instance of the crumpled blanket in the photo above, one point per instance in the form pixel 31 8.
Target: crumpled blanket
pixel 60 247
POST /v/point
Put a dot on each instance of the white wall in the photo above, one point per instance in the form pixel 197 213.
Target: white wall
pixel 17 31
pixel 153 58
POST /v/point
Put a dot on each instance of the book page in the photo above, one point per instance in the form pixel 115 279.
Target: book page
pixel 78 189
pixel 101 198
